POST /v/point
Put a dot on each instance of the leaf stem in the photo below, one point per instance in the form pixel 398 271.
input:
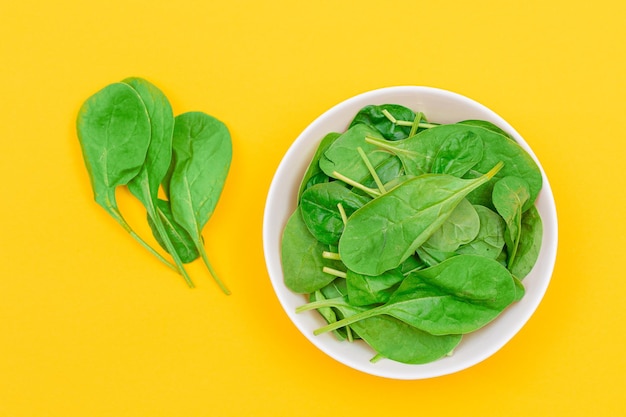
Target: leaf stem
pixel 153 251
pixel 331 255
pixel 348 320
pixel 372 192
pixel 349 334
pixel 416 123
pixel 342 212
pixel 389 116
pixel 377 358
pixel 326 302
pixel 333 271
pixel 493 171
pixel 383 144
pixel 421 124
pixel 514 249
pixel 158 222
pixel 372 171
pixel 117 215
pixel 205 259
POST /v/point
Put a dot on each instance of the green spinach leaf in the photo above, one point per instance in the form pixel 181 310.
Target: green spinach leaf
pixel 510 196
pixel 446 149
pixel 431 256
pixel 364 290
pixel 529 243
pixel 159 153
pixel 457 296
pixel 375 117
pixel 342 156
pixel 386 231
pixel 114 132
pixel 319 206
pixel 489 241
pixel 202 153
pixel 389 337
pixel 145 185
pixel 517 163
pixel 401 342
pixel 302 258
pixel 461 227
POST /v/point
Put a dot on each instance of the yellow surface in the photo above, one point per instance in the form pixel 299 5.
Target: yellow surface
pixel 92 325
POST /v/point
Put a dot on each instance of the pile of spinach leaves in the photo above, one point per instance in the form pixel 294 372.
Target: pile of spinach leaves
pixel 176 166
pixel 410 234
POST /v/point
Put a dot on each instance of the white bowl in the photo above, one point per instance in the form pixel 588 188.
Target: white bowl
pixel 442 107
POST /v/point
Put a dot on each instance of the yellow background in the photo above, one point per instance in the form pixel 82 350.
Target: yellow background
pixel 92 325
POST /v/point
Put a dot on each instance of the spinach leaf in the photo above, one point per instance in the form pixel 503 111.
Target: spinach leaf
pixel 475 291
pixel 457 154
pixel 302 259
pixel 510 195
pixel 374 116
pixel 364 289
pixel 145 185
pixel 386 231
pixel 202 153
pixel 461 227
pixel 431 256
pixel 401 342
pixel 114 154
pixel 389 337
pixel 457 296
pixel 517 163
pixel 159 153
pixel 446 149
pixel 342 156
pixel 114 132
pixel 319 206
pixel 490 239
pixel 529 243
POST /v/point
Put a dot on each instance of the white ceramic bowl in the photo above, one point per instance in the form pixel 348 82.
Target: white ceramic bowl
pixel 442 107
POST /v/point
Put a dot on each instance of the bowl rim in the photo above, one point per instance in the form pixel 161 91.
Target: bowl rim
pixel 271 246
